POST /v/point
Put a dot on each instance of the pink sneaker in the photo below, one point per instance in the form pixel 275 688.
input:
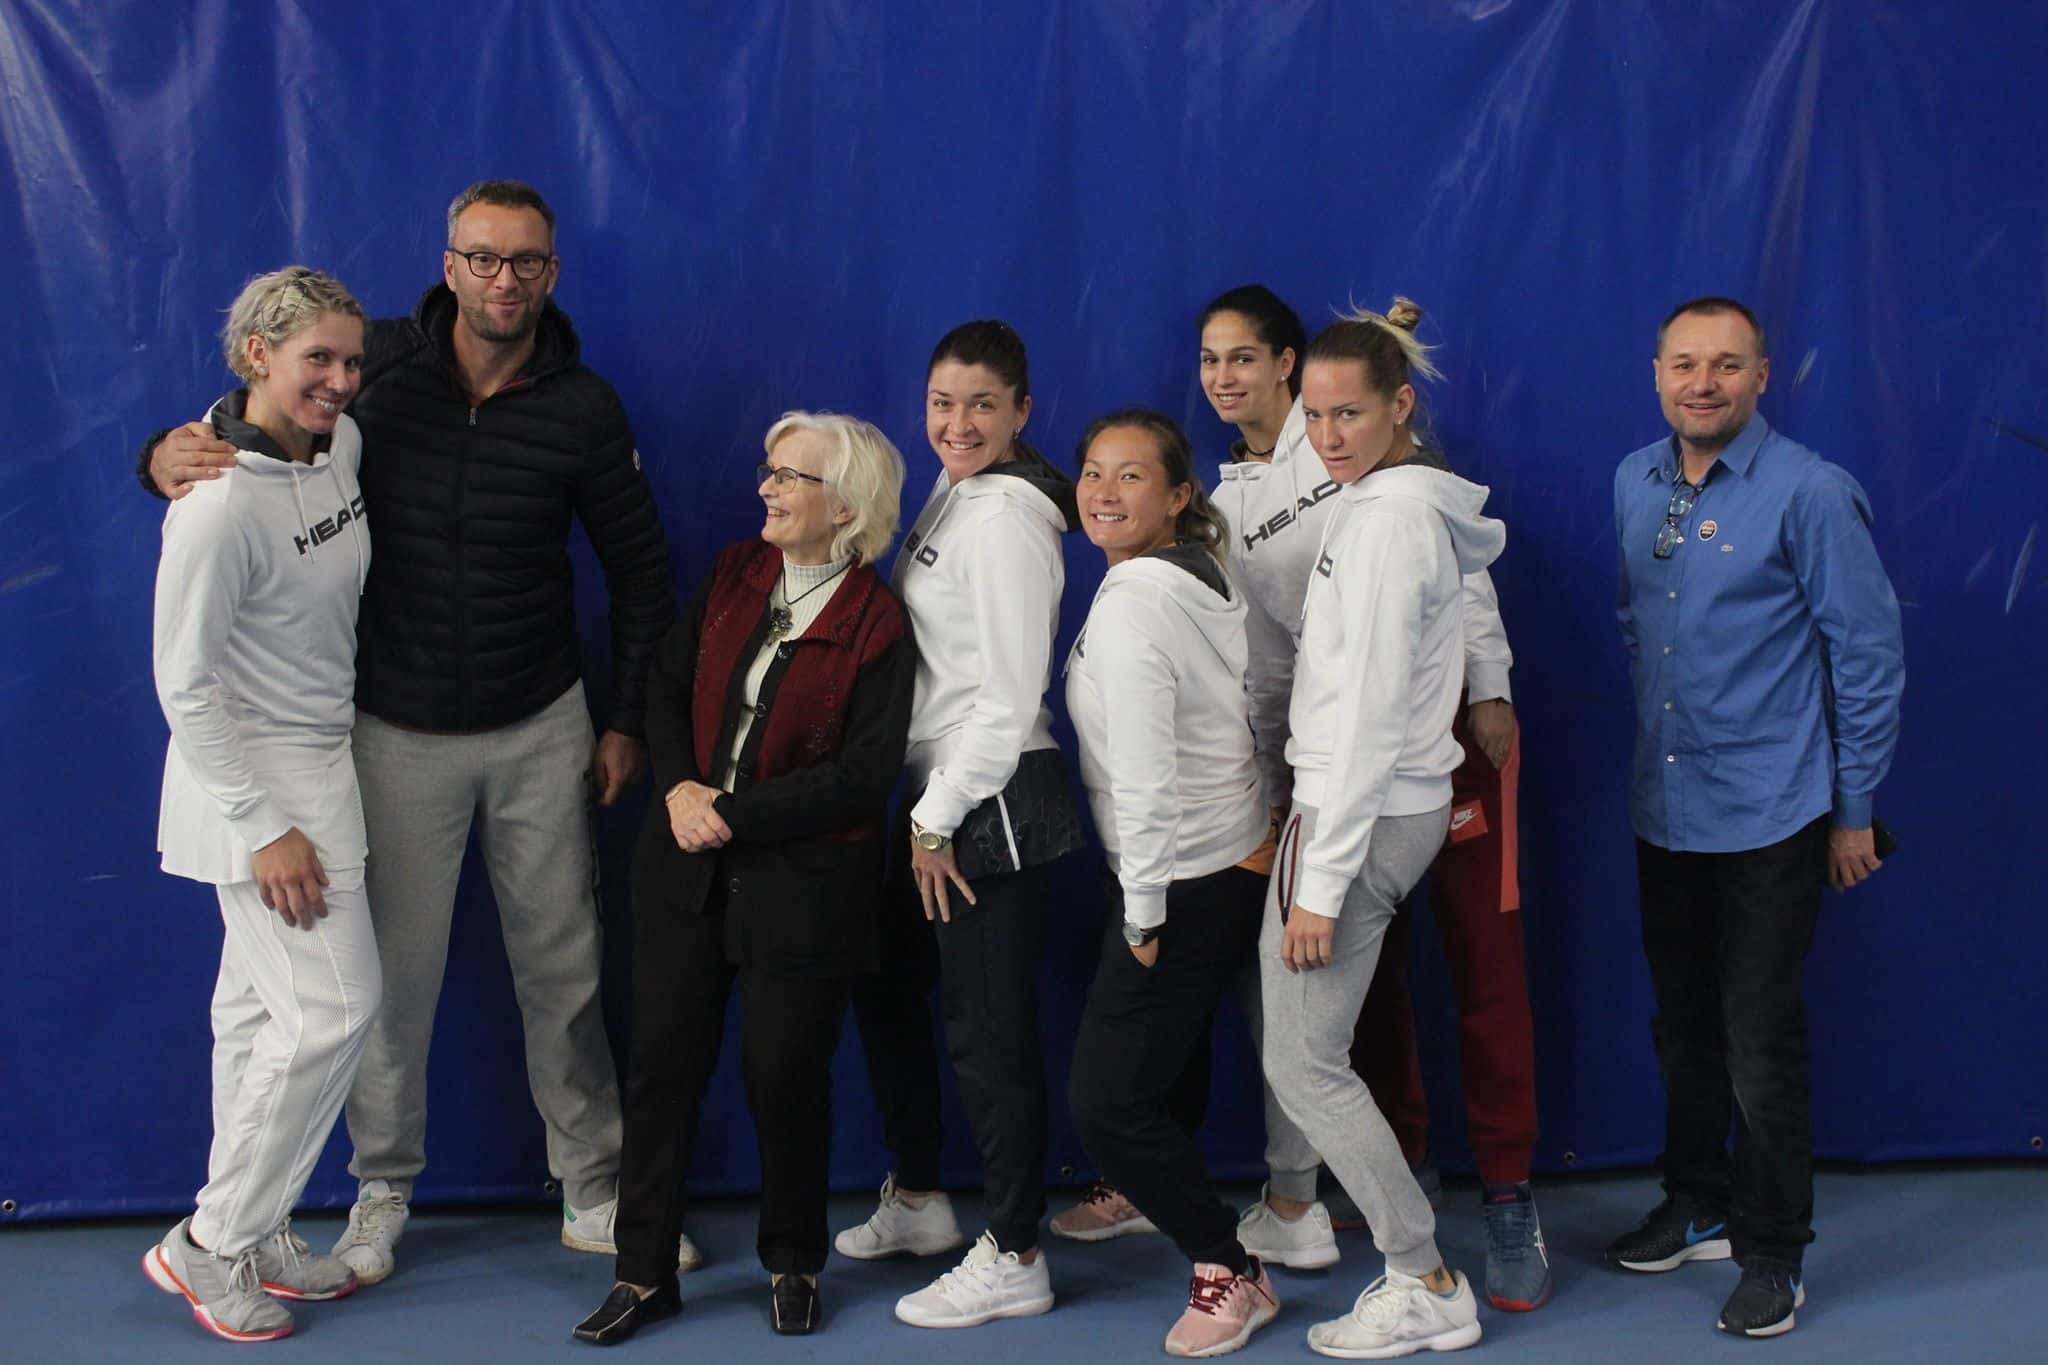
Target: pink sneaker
pixel 1224 1309
pixel 1101 1215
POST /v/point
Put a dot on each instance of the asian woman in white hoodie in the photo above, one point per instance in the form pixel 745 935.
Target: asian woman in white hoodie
pixel 981 574
pixel 255 644
pixel 1376 687
pixel 1155 686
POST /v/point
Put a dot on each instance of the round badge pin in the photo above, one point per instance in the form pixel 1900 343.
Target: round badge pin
pixel 1709 529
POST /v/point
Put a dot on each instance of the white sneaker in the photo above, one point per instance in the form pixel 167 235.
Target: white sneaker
pixel 374 1226
pixel 895 1226
pixel 988 1284
pixel 1304 1243
pixel 595 1230
pixel 1398 1315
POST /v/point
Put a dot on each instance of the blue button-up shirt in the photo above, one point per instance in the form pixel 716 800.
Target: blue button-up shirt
pixel 1765 651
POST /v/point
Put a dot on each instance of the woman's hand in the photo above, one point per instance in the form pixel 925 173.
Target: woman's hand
pixel 1305 944
pixel 193 453
pixel 1146 953
pixel 696 825
pixel 1492 724
pixel 289 878
pixel 932 872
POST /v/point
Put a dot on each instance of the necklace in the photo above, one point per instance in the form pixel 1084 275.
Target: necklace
pixel 780 619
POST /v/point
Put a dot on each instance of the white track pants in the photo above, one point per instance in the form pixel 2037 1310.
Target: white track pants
pixel 291 1011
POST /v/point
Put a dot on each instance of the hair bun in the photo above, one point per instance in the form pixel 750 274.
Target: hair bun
pixel 1404 313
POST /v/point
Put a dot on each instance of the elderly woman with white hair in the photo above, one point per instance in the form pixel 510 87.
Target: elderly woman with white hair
pixel 777 712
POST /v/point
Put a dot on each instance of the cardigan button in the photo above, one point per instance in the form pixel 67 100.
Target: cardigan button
pixel 733 886
pixel 784 650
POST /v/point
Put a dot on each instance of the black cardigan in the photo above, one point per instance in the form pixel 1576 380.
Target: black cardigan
pixel 798 901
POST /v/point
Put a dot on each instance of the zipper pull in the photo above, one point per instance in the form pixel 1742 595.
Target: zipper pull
pixel 472 416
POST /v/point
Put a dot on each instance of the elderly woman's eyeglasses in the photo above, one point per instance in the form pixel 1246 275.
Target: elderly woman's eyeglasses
pixel 485 265
pixel 784 476
pixel 1669 536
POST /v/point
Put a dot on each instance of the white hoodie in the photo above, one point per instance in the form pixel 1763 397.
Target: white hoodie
pixel 1382 647
pixel 1276 513
pixel 1155 688
pixel 256 599
pixel 981 574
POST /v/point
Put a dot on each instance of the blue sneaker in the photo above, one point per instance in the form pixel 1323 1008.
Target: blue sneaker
pixel 1762 1304
pixel 1517 1265
pixel 1676 1231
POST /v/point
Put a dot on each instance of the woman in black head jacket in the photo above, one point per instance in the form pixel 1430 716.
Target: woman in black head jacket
pixel 776 720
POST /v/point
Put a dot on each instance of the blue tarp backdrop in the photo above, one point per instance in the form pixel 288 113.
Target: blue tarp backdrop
pixel 784 204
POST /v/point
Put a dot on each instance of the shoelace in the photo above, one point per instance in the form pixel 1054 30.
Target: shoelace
pixel 242 1276
pixel 375 1219
pixel 1099 1193
pixel 1510 1225
pixel 291 1248
pixel 977 1274
pixel 1381 1305
pixel 1206 1294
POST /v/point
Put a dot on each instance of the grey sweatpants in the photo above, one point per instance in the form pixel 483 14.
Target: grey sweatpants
pixel 1310 1016
pixel 524 786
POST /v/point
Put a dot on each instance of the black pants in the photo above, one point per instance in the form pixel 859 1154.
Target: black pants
pixel 1141 1028
pixel 1727 936
pixel 790 1028
pixel 988 958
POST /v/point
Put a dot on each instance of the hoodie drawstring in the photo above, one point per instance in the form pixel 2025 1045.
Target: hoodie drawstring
pixel 299 496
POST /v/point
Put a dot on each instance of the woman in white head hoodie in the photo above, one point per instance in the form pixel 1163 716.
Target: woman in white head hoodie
pixel 1376 687
pixel 981 574
pixel 1155 686
pixel 256 599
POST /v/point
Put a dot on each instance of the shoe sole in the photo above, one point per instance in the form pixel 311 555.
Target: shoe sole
pixel 285 1291
pixel 1455 1340
pixel 1520 1305
pixel 1776 1329
pixel 163 1277
pixel 1104 1234
pixel 1712 1249
pixel 1236 1343
pixel 909 1249
pixel 1319 1258
pixel 1022 1310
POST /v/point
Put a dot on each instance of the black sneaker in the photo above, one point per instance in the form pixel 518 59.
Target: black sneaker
pixel 1762 1304
pixel 1676 1231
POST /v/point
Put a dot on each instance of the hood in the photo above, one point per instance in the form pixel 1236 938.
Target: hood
pixel 1476 537
pixel 555 343
pixel 230 422
pixel 1026 474
pixel 1190 575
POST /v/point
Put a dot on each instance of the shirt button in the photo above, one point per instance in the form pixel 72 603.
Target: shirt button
pixel 1674 594
pixel 1667 706
pixel 1668 758
pixel 733 886
pixel 1667 649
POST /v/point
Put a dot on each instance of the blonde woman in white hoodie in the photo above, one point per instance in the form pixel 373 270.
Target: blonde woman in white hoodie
pixel 1376 687
pixel 981 574
pixel 1155 686
pixel 255 644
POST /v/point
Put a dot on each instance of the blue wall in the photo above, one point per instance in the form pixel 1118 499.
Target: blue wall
pixel 785 204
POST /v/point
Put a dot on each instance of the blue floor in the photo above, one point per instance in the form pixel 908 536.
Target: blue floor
pixel 1920 1265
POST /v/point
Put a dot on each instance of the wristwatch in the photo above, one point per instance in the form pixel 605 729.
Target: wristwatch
pixel 929 840
pixel 1137 937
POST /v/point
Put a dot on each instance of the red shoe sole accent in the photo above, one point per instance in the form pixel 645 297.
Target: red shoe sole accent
pixel 163 1277
pixel 278 1291
pixel 1517 1305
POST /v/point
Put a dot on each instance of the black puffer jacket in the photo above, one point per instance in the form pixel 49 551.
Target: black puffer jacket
pixel 468 619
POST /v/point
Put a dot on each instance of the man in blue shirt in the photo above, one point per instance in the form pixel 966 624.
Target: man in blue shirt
pixel 1763 639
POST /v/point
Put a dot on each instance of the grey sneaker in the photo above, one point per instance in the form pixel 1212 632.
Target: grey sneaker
pixel 226 1296
pixel 374 1226
pixel 289 1269
pixel 1517 1263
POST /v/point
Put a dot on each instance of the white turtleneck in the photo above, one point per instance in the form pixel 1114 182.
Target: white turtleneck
pixel 801 590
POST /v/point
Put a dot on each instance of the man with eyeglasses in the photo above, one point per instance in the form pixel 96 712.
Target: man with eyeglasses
pixel 484 434
pixel 1763 637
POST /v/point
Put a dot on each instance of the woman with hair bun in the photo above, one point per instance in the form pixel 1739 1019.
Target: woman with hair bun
pixel 990 811
pixel 1376 688
pixel 255 658
pixel 1155 686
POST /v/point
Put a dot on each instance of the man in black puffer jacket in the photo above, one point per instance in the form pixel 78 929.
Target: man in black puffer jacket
pixel 483 435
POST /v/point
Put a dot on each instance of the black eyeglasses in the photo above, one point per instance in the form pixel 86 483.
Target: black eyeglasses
pixel 1669 537
pixel 485 265
pixel 783 475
